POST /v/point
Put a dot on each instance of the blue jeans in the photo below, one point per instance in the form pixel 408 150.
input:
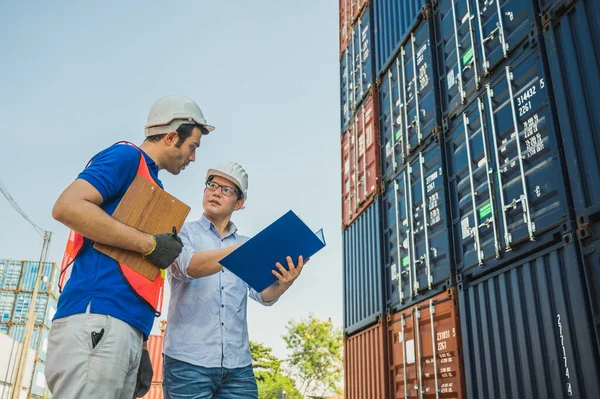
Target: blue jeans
pixel 182 380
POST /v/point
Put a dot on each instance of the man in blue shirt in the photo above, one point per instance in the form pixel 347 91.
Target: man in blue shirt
pixel 106 311
pixel 206 347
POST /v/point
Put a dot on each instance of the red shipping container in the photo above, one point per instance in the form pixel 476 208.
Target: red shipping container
pixel 425 349
pixel 365 364
pixel 155 392
pixel 155 347
pixel 361 172
pixel 345 31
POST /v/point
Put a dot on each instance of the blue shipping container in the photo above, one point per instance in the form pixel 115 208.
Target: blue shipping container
pixel 507 187
pixel 356 68
pixel 554 8
pixel 573 49
pixel 474 37
pixel 408 102
pixel 589 238
pixel 363 281
pixel 417 254
pixel 502 25
pixel 22 275
pixel 49 277
pixel 346 91
pixel 458 52
pixel 15 306
pixel 526 330
pixel 393 20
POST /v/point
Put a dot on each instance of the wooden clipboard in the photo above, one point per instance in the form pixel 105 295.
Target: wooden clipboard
pixel 150 209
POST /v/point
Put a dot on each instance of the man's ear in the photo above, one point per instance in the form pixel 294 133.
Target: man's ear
pixel 171 138
pixel 239 204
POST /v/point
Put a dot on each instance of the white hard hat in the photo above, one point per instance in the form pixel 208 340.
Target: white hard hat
pixel 231 171
pixel 169 112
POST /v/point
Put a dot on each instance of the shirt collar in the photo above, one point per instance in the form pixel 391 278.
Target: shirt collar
pixel 207 225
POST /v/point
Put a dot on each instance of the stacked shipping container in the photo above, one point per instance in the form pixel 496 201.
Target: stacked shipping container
pixel 17 283
pixel 482 265
pixel 364 318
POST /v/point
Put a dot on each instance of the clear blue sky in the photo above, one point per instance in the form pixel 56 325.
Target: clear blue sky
pixel 77 76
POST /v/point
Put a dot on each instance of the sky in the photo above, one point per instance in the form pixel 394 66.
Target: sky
pixel 76 77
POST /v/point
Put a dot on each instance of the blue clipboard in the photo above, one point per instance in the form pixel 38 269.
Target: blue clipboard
pixel 287 236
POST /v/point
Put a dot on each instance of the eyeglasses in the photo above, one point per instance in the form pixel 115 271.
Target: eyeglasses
pixel 226 190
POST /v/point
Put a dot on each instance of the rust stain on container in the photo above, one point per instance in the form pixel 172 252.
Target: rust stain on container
pixel 361 172
pixel 365 364
pixel 424 350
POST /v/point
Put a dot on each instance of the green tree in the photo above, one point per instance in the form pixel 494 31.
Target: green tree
pixel 316 355
pixel 269 374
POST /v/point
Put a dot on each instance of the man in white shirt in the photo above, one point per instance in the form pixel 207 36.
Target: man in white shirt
pixel 206 349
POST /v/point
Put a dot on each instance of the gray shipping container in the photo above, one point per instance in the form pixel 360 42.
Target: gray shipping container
pixel 363 269
pixel 526 330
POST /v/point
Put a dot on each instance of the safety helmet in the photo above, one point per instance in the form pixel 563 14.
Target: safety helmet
pixel 169 112
pixel 231 171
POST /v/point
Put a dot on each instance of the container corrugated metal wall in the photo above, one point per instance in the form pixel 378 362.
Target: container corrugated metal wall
pixel 360 162
pixel 356 68
pixel 155 392
pixel 155 349
pixel 21 275
pixel 502 25
pixel 526 330
pixel 573 49
pixel 458 52
pixel 417 253
pixel 344 24
pixel 425 351
pixel 362 269
pixel 589 238
pixel 365 365
pixel 14 308
pixel 473 39
pixel 554 7
pixel 408 99
pixel 508 192
pixel 484 105
pixel 393 20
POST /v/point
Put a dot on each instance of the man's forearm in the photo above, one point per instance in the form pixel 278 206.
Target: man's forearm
pixel 206 263
pixel 274 291
pixel 89 220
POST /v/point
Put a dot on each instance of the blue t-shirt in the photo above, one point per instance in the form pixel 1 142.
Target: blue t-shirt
pixel 95 277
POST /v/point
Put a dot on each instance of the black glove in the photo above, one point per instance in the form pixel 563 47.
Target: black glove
pixel 167 248
pixel 144 376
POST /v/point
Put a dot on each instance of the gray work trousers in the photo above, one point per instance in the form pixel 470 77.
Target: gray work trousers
pixel 76 369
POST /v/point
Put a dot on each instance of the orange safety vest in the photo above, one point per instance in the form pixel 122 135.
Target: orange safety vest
pixel 149 291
